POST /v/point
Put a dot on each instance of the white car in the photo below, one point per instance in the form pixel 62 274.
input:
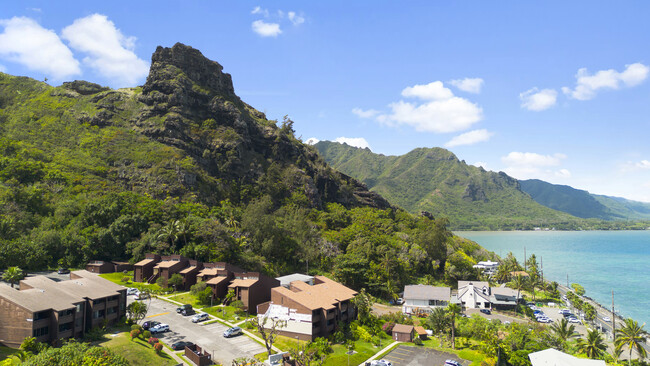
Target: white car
pixel 564 311
pixel 607 319
pixel 132 291
pixel 544 319
pixel 574 320
pixel 380 363
pixel 160 328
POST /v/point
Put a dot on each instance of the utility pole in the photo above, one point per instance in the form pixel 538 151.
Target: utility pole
pixel 567 280
pixel 613 318
pixel 525 259
pixel 541 259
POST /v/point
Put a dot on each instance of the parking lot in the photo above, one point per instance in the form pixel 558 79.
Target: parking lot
pixel 420 356
pixel 209 337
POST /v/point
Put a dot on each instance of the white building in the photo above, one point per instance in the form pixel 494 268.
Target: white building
pixel 553 357
pixel 488 267
pixel 479 295
pixel 423 298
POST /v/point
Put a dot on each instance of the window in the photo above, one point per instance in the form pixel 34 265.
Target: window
pixel 41 315
pixel 98 301
pixel 80 308
pixel 41 331
pixel 330 322
pixel 316 325
pixel 111 310
pixel 65 327
pixel 79 322
pixel 98 314
pixel 66 312
pixel 330 311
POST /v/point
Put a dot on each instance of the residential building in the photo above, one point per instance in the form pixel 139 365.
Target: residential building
pixel 285 281
pixel 553 357
pixel 190 273
pixel 218 276
pixel 108 267
pixel 252 288
pixel 52 310
pixel 479 295
pixel 311 308
pixel 143 270
pixel 424 298
pixel 487 267
pixel 403 333
pixel 168 266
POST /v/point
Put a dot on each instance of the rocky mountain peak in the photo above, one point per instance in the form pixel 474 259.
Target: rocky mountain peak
pixel 167 62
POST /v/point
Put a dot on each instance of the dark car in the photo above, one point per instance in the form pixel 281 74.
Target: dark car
pixel 63 271
pixel 179 346
pixel 149 324
pixel 185 309
pixel 485 311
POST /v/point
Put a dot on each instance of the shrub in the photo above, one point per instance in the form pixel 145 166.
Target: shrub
pixel 204 297
pixel 136 327
pixel 134 333
pixel 198 287
pixel 126 279
pixel 388 327
pixel 152 340
pixel 146 334
pixel 158 347
pixel 417 341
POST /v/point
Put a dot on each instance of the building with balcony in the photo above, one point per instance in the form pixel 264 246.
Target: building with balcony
pixel 423 298
pixel 252 288
pixel 143 270
pixel 52 311
pixel 311 308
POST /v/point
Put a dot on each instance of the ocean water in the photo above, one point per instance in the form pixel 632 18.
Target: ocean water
pixel 601 261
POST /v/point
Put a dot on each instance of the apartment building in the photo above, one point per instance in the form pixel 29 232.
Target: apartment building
pixel 52 311
pixel 312 306
pixel 252 288
pixel 218 275
pixel 143 270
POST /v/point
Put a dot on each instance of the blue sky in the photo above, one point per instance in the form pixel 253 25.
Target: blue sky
pixel 555 90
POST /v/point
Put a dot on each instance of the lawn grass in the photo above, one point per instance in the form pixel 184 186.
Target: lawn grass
pixel 116 277
pixel 230 313
pixel 6 352
pixel 137 352
pixel 186 298
pixel 476 357
pixel 339 357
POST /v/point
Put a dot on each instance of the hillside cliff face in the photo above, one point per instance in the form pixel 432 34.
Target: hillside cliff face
pixel 434 180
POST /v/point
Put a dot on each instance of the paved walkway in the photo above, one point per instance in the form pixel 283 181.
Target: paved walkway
pixel 175 356
pixel 381 352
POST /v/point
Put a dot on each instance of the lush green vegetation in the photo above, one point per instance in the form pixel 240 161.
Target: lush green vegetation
pixel 434 180
pixel 137 351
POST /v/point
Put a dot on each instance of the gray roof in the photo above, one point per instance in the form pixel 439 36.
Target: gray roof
pixel 479 284
pixel 553 357
pixel 425 292
pixel 43 293
pixel 286 280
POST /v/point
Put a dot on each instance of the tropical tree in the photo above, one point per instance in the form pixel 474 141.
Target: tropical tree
pixel 175 281
pixel 593 346
pixel 136 311
pixel 13 275
pixel 438 321
pixel 534 282
pixel 563 332
pixel 453 310
pixel 519 282
pixel 229 296
pixel 268 333
pixel 632 336
pixel 363 303
pixel 169 233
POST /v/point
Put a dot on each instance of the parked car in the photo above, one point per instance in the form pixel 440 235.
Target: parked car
pixel 149 324
pixel 200 317
pixel 380 363
pixel 399 301
pixel 452 363
pixel 142 296
pixel 132 291
pixel 574 320
pixel 564 311
pixel 607 319
pixel 63 271
pixel 185 309
pixel 179 346
pixel 231 332
pixel 485 311
pixel 160 328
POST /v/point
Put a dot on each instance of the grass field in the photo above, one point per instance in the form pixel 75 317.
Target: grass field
pixel 229 314
pixel 186 298
pixel 5 352
pixel 137 352
pixel 117 278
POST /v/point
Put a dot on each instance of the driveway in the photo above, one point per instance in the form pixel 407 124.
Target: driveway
pixel 209 337
pixel 420 356
pixel 495 315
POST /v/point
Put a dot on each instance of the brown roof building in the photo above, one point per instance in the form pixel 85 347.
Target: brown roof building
pixel 51 311
pixel 168 266
pixel 143 270
pixel 311 308
pixel 403 333
pixel 252 288
pixel 108 267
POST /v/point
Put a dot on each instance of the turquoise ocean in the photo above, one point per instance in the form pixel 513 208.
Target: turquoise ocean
pixel 601 261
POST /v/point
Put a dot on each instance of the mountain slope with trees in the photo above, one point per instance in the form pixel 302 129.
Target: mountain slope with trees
pixel 434 180
pixel 183 165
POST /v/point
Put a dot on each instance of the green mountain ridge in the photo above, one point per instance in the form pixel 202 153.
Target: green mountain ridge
pixel 434 180
pixel 183 165
pixel 583 204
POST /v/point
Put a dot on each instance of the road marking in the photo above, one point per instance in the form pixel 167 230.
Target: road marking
pixel 151 316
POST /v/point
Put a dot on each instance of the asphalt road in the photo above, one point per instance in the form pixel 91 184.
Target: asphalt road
pixel 209 337
pixel 420 356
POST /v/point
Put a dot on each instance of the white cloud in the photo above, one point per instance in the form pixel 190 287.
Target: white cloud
pixel 470 85
pixel 3 68
pixel 359 142
pixel 295 19
pixel 109 52
pixel 643 164
pixel 25 42
pixel 265 29
pixel 370 113
pixel 260 10
pixel 532 159
pixel 587 85
pixel 563 173
pixel 538 100
pixel 432 91
pixel 470 138
pixel 312 141
pixel 635 166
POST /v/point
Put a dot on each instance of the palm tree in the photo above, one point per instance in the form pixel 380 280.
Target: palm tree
pixel 453 310
pixel 437 321
pixel 13 275
pixel 593 346
pixel 563 332
pixel 169 232
pixel 519 283
pixel 534 282
pixel 632 336
pixel 183 228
